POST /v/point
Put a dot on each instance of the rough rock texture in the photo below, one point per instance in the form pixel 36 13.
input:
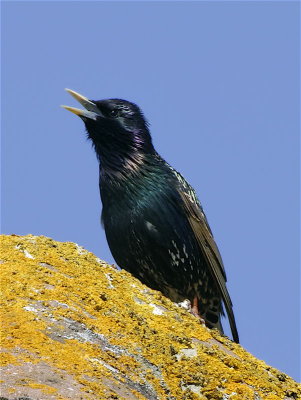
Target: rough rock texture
pixel 74 327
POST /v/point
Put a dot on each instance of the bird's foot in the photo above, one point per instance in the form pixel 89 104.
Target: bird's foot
pixel 192 308
pixel 195 310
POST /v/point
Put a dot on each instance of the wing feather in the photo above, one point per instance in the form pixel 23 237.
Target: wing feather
pixel 208 247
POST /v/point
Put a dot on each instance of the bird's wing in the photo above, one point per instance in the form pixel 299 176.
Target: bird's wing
pixel 208 247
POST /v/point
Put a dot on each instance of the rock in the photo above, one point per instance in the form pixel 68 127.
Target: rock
pixel 74 327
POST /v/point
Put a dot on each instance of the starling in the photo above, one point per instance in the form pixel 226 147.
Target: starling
pixel 154 223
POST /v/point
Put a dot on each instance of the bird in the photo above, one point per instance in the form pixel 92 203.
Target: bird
pixel 154 223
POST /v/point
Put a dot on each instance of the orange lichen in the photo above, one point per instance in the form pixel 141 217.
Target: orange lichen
pixel 63 306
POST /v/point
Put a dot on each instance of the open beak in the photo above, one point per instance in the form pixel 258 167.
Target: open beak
pixel 91 111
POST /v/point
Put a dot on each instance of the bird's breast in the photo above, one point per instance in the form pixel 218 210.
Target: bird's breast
pixel 151 238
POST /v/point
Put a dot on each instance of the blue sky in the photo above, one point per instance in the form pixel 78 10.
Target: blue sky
pixel 219 83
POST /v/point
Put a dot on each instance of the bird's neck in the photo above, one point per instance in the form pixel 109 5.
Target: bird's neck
pixel 119 167
pixel 119 164
pixel 146 172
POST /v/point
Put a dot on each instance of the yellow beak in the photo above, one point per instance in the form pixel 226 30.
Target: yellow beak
pixel 91 110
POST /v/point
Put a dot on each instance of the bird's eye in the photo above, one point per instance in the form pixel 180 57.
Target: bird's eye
pixel 114 113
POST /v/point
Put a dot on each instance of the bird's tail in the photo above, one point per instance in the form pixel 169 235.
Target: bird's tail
pixel 212 317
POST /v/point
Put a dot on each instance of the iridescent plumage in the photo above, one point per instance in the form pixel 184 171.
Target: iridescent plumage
pixel 154 223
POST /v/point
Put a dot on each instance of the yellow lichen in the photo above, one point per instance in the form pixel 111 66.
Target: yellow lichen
pixel 63 306
pixel 44 388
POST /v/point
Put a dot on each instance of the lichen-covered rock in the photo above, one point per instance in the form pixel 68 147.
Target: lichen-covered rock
pixel 74 327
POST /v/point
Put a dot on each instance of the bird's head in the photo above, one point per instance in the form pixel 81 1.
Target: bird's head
pixel 117 128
